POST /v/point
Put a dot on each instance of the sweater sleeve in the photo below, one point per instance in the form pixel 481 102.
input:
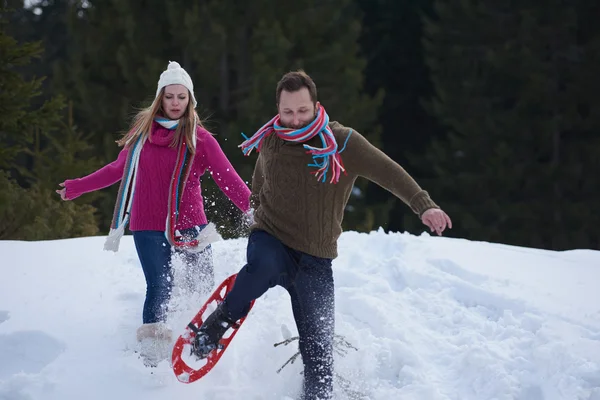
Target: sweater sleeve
pixel 104 177
pixel 363 159
pixel 224 174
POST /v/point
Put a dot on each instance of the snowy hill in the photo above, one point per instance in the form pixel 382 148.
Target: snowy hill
pixel 431 319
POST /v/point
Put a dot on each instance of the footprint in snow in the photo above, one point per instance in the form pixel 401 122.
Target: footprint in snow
pixel 456 270
pixel 4 316
pixel 131 296
pixel 27 352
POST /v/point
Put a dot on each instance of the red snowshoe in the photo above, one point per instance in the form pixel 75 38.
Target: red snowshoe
pixel 183 371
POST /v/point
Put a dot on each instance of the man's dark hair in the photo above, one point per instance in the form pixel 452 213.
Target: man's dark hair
pixel 294 81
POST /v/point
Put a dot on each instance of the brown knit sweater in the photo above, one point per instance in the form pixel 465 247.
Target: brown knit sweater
pixel 306 214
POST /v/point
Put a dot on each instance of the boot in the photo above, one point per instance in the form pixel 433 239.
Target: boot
pixel 157 330
pixel 210 333
pixel 154 343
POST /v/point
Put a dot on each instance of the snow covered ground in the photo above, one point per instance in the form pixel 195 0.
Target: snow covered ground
pixel 430 318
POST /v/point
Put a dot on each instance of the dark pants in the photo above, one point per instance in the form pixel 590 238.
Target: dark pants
pixel 155 253
pixel 309 281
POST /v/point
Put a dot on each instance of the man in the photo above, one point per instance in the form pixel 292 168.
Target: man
pixel 298 220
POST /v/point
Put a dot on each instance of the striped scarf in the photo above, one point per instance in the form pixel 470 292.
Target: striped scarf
pixel 325 159
pixel 124 201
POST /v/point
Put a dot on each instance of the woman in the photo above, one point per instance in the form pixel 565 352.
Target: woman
pixel 165 153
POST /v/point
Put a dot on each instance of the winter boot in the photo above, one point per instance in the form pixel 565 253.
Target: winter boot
pixel 154 343
pixel 210 333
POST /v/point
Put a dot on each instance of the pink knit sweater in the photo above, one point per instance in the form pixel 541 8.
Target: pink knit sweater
pixel 156 164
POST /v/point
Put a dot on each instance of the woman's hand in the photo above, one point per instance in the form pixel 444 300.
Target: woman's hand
pixel 62 192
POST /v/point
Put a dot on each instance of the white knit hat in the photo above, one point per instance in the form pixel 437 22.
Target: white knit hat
pixel 175 75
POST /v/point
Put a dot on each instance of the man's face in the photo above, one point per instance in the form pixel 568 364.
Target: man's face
pixel 296 109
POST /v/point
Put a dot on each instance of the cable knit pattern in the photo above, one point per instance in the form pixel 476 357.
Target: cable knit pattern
pixel 157 161
pixel 305 214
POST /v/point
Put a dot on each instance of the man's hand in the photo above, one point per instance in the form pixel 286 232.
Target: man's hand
pixel 436 220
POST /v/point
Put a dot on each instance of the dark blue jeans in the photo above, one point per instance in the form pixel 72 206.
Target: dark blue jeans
pixel 309 281
pixel 155 253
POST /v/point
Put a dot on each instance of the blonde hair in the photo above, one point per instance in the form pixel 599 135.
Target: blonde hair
pixel 142 124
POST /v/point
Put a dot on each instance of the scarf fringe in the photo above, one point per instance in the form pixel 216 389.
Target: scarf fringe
pixel 201 241
pixel 114 237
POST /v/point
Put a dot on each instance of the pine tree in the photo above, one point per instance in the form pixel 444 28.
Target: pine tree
pixel 29 138
pixel 391 42
pixel 36 214
pixel 17 122
pixel 515 89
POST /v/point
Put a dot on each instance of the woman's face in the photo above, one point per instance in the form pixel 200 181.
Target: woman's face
pixel 175 101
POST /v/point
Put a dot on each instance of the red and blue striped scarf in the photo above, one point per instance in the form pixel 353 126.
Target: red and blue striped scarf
pixel 326 159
